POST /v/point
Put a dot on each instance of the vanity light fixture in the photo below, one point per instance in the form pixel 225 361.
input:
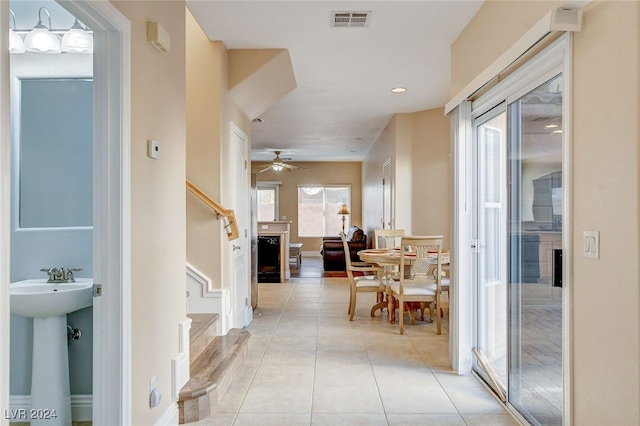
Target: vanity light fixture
pixel 399 90
pixel 41 39
pixel 16 45
pixel 77 39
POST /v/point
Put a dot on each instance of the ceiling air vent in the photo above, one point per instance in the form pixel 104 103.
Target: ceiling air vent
pixel 350 19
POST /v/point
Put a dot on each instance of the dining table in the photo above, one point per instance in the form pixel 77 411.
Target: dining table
pixel 389 259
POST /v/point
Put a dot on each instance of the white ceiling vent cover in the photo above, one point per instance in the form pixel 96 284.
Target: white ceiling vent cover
pixel 350 19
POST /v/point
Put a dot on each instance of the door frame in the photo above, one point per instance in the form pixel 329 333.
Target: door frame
pixel 112 210
pixel 387 195
pixel 541 66
pixel 112 235
pixel 242 314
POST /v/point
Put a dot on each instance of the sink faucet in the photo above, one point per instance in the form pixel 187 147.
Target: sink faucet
pixel 59 275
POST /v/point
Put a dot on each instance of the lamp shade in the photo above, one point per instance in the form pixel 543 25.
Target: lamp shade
pixel 40 39
pixel 77 40
pixel 16 45
pixel 343 210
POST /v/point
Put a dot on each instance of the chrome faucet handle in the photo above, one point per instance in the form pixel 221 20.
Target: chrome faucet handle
pixel 69 276
pixel 49 272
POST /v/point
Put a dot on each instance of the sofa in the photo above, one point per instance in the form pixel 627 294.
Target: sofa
pixel 333 252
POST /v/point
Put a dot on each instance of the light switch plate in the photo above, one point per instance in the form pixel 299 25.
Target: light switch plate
pixel 591 244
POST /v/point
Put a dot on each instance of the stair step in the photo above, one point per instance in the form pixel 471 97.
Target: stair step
pixel 212 375
pixel 202 333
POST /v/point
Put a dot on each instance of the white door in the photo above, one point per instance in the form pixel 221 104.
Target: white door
pixel 240 286
pixel 387 221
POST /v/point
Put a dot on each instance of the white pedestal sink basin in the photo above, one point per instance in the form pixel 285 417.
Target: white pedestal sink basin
pixel 48 305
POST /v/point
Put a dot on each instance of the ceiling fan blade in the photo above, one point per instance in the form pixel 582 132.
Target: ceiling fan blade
pixel 291 166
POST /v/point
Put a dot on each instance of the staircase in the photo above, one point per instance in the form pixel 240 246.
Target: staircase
pixel 215 361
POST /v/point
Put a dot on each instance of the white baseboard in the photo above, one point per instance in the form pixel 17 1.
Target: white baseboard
pixel 81 406
pixel 170 416
pixel 203 299
pixel 180 363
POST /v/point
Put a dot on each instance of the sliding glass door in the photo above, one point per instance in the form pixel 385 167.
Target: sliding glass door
pixel 518 244
pixel 491 285
pixel 535 264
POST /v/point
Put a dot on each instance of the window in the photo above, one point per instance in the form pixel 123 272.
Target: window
pixel 318 208
pixel 267 202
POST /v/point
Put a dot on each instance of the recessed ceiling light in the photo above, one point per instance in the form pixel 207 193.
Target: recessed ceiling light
pixel 551 126
pixel 358 139
pixel 557 131
pixel 398 90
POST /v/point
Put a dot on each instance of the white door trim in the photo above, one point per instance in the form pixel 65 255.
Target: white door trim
pixel 5 209
pixel 112 210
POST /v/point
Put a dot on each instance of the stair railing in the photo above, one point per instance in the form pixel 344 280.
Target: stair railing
pixel 232 226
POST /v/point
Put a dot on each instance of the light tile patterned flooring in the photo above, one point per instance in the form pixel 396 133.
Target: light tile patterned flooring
pixel 309 365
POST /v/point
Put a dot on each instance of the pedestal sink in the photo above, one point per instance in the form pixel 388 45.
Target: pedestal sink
pixel 48 305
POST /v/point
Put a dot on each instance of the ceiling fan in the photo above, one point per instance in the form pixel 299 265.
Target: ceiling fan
pixel 278 165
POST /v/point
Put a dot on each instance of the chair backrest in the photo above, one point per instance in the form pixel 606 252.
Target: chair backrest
pixel 387 238
pixel 347 252
pixel 426 253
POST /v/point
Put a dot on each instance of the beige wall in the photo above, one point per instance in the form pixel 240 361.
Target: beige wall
pixel 418 146
pixel 157 201
pixel 605 317
pixel 210 112
pixel 480 44
pixel 204 130
pixel 431 209
pixel 383 150
pixel 317 173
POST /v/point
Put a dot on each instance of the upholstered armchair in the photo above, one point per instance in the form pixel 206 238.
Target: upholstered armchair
pixel 333 252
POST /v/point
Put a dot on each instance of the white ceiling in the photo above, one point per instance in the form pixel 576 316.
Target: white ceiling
pixel 343 100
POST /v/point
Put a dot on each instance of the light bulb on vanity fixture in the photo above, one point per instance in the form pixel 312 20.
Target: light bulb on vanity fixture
pixel 41 39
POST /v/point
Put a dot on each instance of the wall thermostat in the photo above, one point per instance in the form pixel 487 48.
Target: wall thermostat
pixel 153 149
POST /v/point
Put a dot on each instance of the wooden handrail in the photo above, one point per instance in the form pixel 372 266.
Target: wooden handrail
pixel 232 225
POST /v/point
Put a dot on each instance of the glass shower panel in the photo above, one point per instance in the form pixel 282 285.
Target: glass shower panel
pixel 535 266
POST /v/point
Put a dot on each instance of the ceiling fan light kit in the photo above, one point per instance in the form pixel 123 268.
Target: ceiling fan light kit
pixel 278 165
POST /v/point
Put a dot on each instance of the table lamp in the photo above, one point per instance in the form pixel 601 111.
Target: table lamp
pixel 344 211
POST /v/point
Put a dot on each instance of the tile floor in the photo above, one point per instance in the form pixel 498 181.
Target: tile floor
pixel 309 365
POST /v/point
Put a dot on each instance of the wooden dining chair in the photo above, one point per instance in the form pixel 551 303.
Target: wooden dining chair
pixel 370 282
pixel 387 238
pixel 415 282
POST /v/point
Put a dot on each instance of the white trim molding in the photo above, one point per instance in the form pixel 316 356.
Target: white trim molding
pixel 170 416
pixel 5 209
pixel 201 279
pixel 203 299
pixel 180 373
pixel 112 347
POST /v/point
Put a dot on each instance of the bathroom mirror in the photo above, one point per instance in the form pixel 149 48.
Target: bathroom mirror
pixel 55 152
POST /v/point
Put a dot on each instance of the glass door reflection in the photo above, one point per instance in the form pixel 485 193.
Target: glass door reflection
pixel 535 261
